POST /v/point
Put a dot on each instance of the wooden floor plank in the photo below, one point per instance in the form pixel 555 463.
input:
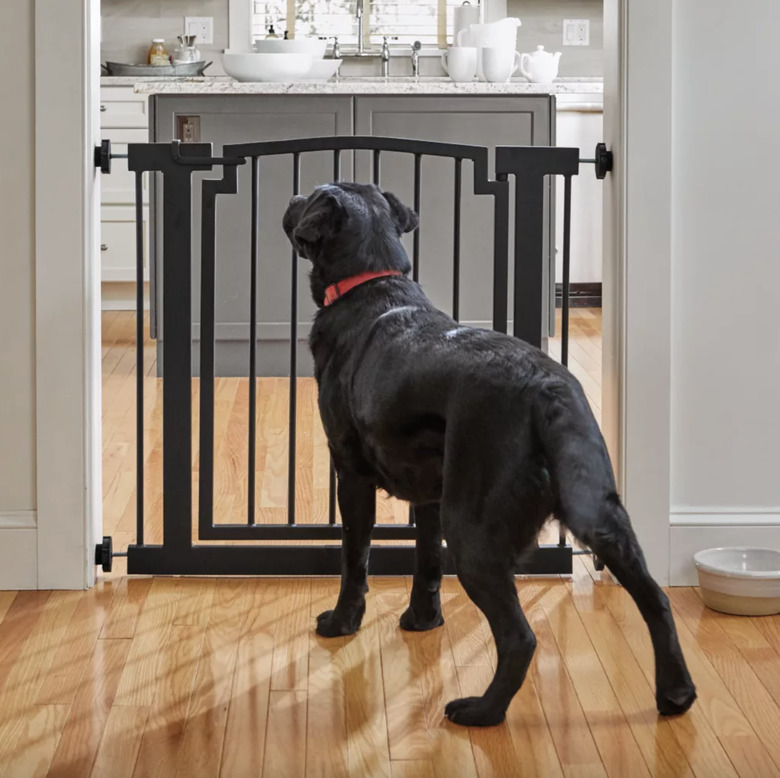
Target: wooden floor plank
pixel 368 750
pixel 163 735
pixel 36 741
pixel 291 636
pixel 406 729
pixel 118 749
pixel 143 668
pixel 208 710
pixel 80 741
pixel 285 752
pixel 617 746
pixel 62 679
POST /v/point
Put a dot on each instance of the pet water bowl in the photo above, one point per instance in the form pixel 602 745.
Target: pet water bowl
pixel 739 580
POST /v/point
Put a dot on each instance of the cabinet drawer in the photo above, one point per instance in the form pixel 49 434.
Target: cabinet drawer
pixel 121 107
pixel 118 187
pixel 117 244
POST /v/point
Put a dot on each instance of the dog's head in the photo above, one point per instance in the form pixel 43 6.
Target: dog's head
pixel 344 229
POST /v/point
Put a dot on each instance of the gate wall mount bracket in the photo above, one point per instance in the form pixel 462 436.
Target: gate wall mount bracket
pixel 602 160
pixel 104 155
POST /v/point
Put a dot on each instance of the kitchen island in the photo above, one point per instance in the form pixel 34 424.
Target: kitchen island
pixel 224 112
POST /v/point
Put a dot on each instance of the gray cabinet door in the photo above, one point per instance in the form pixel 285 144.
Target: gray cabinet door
pixel 478 120
pixel 238 119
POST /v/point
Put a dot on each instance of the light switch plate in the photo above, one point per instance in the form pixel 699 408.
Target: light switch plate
pixel 200 26
pixel 576 32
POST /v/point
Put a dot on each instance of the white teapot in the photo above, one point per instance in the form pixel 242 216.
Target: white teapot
pixel 541 67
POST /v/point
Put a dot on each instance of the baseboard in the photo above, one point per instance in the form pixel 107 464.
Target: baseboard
pixel 18 520
pixel 580 295
pixel 689 533
pixel 18 559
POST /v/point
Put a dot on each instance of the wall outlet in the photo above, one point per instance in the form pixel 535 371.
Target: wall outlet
pixel 200 26
pixel 576 32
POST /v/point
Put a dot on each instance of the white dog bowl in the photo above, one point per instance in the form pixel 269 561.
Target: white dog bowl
pixel 744 581
pixel 322 69
pixel 313 46
pixel 249 66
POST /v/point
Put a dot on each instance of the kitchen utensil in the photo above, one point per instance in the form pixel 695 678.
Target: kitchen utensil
pixel 156 71
pixel 740 580
pixel 250 66
pixel 541 67
pixel 186 51
pixel 460 63
pixel 463 16
pixel 313 46
pixel 499 63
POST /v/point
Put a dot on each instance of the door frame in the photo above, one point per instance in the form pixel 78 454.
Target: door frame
pixel 67 293
pixel 637 265
pixel 68 401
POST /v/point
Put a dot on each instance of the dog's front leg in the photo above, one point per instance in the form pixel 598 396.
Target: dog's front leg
pixel 357 501
pixel 424 611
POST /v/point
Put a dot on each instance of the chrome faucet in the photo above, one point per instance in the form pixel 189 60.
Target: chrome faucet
pixel 385 58
pixel 336 48
pixel 416 46
pixel 359 17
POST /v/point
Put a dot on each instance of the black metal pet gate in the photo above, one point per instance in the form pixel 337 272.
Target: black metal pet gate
pixel 175 164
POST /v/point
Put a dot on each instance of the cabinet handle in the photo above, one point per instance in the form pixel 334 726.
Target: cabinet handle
pixel 103 109
pixel 104 246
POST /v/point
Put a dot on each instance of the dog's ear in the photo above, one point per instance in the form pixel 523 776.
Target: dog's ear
pixel 323 217
pixel 406 219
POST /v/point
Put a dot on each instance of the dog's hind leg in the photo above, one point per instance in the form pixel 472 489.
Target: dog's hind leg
pixel 606 528
pixel 357 502
pixel 488 579
pixel 424 611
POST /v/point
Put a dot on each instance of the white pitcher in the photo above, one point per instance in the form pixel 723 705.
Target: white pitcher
pixel 500 34
pixel 541 67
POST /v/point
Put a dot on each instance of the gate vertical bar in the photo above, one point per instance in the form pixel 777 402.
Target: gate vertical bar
pixel 456 242
pixel 566 270
pixel 139 364
pixel 501 255
pixel 416 238
pixel 177 367
pixel 208 279
pixel 377 166
pixel 253 344
pixel 292 425
pixel 331 468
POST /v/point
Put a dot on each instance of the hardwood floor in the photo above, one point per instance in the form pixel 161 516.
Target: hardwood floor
pixel 185 677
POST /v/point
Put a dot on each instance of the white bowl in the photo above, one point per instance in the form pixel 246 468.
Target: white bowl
pixel 740 580
pixel 322 69
pixel 249 66
pixel 313 46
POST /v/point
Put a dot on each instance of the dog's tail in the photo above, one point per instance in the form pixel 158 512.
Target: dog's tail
pixel 574 448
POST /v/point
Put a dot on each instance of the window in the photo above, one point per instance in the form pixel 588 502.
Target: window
pixel 428 21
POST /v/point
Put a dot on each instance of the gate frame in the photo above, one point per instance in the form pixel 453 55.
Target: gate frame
pixel 178 555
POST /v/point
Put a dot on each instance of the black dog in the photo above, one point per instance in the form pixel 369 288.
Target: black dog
pixel 485 435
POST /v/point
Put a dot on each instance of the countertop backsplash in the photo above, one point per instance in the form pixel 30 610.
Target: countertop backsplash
pixel 129 25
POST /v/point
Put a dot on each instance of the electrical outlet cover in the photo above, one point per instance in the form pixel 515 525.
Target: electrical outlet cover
pixel 576 32
pixel 200 26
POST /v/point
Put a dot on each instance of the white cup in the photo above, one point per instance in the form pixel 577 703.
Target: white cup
pixel 460 63
pixel 499 63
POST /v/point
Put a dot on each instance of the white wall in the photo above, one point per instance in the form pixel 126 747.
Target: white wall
pixel 725 377
pixel 17 298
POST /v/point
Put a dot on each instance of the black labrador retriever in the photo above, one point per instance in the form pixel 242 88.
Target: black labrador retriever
pixel 484 434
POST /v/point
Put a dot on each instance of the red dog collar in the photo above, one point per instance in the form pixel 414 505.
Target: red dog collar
pixel 334 291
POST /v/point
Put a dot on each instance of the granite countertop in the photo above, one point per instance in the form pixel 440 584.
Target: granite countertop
pixel 358 85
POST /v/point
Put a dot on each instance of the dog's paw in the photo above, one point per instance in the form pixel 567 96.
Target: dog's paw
pixel 673 703
pixel 473 712
pixel 410 622
pixel 332 625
